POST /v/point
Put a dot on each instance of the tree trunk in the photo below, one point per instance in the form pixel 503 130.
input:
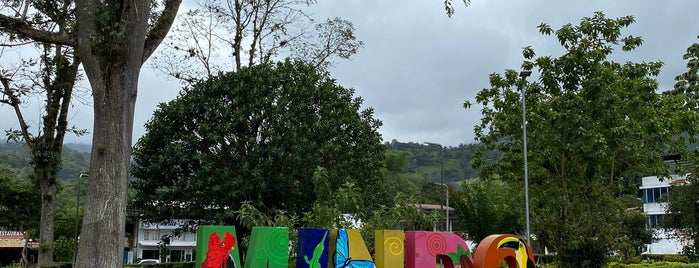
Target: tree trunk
pixel 113 41
pixel 47 149
pixel 102 235
pixel 47 184
pixel 113 72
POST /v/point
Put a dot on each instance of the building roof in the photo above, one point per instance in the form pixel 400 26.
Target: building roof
pixel 173 244
pixel 433 207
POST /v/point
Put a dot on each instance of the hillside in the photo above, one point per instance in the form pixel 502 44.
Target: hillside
pixel 426 161
pixel 16 157
pixel 79 147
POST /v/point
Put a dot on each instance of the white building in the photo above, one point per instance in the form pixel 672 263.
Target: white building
pixel 653 190
pixel 182 244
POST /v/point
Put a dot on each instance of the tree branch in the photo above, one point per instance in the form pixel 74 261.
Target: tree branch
pixel 24 30
pixel 14 102
pixel 156 35
pixel 17 44
pixel 66 79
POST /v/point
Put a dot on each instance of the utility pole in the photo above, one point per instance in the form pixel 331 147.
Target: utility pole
pixel 447 226
pixel 77 214
pixel 524 75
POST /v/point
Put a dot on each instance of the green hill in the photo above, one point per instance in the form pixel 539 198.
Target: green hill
pixel 427 161
pixel 16 157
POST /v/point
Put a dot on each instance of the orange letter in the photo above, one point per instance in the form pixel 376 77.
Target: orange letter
pixel 496 248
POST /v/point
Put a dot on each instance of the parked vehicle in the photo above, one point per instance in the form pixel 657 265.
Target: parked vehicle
pixel 148 261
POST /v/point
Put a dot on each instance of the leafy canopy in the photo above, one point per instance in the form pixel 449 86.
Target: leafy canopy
pixel 488 207
pixel 256 135
pixel 595 125
pixel 19 199
pixel 683 216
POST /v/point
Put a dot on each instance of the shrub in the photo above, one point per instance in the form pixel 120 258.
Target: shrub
pixel 665 258
pixel 542 259
pixel 690 253
pixel 163 265
pixel 652 265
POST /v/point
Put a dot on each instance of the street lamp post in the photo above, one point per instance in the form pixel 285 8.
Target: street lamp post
pixel 77 212
pixel 524 75
pixel 77 202
pixel 441 179
pixel 446 193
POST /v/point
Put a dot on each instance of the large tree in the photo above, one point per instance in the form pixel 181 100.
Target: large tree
pixel 683 212
pixel 221 36
pixel 594 125
pixel 257 134
pixel 113 39
pixel 51 76
pixel 688 82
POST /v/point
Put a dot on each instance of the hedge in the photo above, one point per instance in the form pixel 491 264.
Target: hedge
pixel 163 265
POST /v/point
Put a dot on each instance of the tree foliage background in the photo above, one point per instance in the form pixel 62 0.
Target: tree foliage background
pixel 683 216
pixel 596 125
pixel 19 198
pixel 257 135
pixel 488 206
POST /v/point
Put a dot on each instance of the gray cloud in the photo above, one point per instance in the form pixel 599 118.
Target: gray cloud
pixel 418 66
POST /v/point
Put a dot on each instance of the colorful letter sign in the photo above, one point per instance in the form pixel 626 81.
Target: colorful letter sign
pixel 313 249
pixel 496 248
pixel 269 248
pixel 345 248
pixel 390 248
pixel 423 248
pixel 350 250
pixel 218 246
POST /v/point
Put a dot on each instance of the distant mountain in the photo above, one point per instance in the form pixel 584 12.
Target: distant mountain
pixel 428 160
pixel 16 156
pixel 80 147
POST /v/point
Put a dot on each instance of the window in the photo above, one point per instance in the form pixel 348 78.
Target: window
pixel 646 199
pixel 151 254
pixel 654 220
pixel 654 195
pixel 176 255
pixel 151 235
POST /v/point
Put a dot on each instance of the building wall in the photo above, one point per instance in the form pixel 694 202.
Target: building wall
pixel 666 243
pixel 182 244
pixel 654 192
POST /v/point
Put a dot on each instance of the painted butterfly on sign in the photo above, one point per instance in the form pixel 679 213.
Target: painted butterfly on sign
pixel 342 258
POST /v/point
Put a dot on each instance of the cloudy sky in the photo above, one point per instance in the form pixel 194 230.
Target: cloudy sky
pixel 418 66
